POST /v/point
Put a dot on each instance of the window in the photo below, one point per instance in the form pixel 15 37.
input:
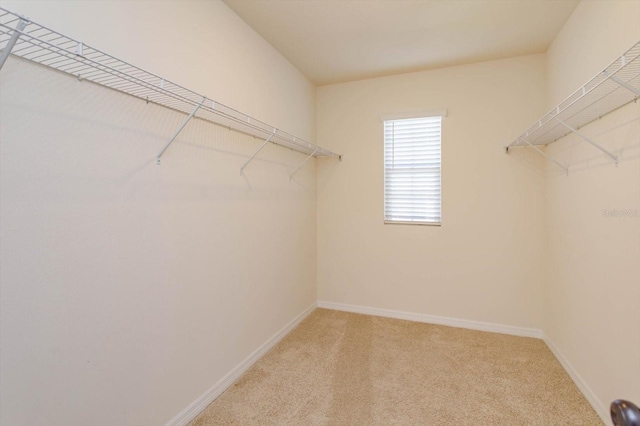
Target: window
pixel 412 170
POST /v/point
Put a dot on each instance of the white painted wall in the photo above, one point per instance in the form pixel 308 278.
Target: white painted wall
pixel 485 263
pixel 127 288
pixel 592 297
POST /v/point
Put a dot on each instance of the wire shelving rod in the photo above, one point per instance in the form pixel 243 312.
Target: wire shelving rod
pixel 29 40
pixel 614 87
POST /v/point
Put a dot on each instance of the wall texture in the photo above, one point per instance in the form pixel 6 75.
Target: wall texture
pixel 485 263
pixel 592 297
pixel 127 288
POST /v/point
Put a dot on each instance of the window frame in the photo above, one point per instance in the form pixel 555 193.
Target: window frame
pixel 442 113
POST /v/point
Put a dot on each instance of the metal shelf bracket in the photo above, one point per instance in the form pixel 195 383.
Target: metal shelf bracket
pixel 302 164
pixel 257 151
pixel 547 156
pixel 22 23
pixel 586 138
pixel 623 62
pixel 175 135
pixel 625 84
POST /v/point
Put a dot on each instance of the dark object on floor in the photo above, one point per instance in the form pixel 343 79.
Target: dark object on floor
pixel 625 413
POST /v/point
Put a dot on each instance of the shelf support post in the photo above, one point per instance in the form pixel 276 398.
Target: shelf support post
pixel 175 135
pixel 625 85
pixel 257 151
pixel 583 136
pixel 545 155
pixel 12 41
pixel 302 164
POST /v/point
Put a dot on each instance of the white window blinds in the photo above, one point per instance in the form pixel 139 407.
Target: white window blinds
pixel 412 170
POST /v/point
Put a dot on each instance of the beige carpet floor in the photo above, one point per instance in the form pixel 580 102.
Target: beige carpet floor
pixel 339 368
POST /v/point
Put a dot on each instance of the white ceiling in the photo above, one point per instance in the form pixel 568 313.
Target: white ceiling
pixel 333 41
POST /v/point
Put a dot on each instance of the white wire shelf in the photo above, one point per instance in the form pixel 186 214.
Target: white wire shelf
pixel 29 40
pixel 615 86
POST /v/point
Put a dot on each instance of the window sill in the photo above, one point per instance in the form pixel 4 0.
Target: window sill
pixel 395 222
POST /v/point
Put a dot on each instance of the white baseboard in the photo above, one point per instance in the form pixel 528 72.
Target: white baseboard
pixel 189 413
pixel 434 319
pixel 595 402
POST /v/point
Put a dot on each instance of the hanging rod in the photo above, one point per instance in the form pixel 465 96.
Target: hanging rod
pixel 612 88
pixel 37 43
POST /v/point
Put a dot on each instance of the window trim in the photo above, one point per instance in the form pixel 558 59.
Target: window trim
pixel 401 116
pixel 415 114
